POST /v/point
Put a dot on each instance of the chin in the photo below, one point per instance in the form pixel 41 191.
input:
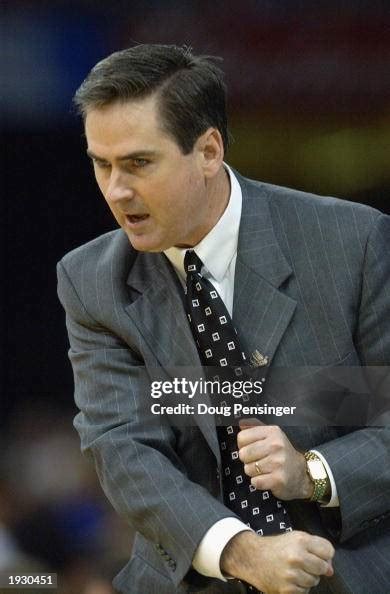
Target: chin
pixel 141 244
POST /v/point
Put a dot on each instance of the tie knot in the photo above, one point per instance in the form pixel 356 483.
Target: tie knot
pixel 191 262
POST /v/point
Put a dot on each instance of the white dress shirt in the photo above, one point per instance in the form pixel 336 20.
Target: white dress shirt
pixel 218 252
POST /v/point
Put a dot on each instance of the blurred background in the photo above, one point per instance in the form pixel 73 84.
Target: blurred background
pixel 309 106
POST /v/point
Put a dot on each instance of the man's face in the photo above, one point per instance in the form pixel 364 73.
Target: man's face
pixel 156 193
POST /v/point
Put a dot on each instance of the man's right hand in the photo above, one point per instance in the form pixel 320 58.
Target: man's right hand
pixel 289 563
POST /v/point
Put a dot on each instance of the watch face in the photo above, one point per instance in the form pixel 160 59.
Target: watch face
pixel 316 469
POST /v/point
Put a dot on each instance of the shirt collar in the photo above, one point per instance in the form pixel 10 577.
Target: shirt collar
pixel 218 247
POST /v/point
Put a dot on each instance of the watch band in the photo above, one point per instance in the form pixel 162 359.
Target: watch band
pixel 321 485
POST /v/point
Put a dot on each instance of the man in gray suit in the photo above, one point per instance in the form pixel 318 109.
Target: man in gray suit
pixel 306 281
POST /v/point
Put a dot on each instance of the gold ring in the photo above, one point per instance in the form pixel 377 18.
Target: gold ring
pixel 258 468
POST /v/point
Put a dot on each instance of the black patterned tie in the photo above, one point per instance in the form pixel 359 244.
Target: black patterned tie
pixel 218 346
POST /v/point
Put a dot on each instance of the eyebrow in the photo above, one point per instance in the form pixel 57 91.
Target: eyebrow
pixel 133 155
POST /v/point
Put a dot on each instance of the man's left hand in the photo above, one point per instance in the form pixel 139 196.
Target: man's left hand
pixel 280 467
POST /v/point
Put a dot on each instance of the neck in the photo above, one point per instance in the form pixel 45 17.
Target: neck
pixel 218 196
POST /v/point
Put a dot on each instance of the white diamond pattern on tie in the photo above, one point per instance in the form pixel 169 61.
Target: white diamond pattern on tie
pixel 218 346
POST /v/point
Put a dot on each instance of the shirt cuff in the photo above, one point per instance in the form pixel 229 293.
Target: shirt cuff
pixel 334 499
pixel 208 554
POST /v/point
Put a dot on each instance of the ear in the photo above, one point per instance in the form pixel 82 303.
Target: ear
pixel 211 152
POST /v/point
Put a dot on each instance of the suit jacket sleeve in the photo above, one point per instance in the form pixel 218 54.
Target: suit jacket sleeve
pixel 134 454
pixel 360 461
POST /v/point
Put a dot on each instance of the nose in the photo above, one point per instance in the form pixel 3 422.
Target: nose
pixel 120 188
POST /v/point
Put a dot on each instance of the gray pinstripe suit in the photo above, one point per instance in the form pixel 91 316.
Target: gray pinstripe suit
pixel 312 287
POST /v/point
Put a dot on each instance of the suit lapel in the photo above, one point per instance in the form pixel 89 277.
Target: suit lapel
pixel 158 312
pixel 159 315
pixel 261 312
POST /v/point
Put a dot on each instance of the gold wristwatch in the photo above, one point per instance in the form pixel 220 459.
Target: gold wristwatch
pixel 319 477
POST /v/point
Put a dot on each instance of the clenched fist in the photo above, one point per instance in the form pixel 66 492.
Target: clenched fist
pixel 282 467
pixel 289 563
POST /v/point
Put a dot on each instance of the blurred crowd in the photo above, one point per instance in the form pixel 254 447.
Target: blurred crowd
pixel 53 515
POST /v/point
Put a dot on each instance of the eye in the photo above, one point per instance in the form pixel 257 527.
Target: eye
pixel 101 164
pixel 140 162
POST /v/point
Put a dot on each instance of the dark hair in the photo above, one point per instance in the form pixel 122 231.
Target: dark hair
pixel 190 89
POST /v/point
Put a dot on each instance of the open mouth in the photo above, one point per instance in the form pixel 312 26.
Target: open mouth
pixel 136 218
